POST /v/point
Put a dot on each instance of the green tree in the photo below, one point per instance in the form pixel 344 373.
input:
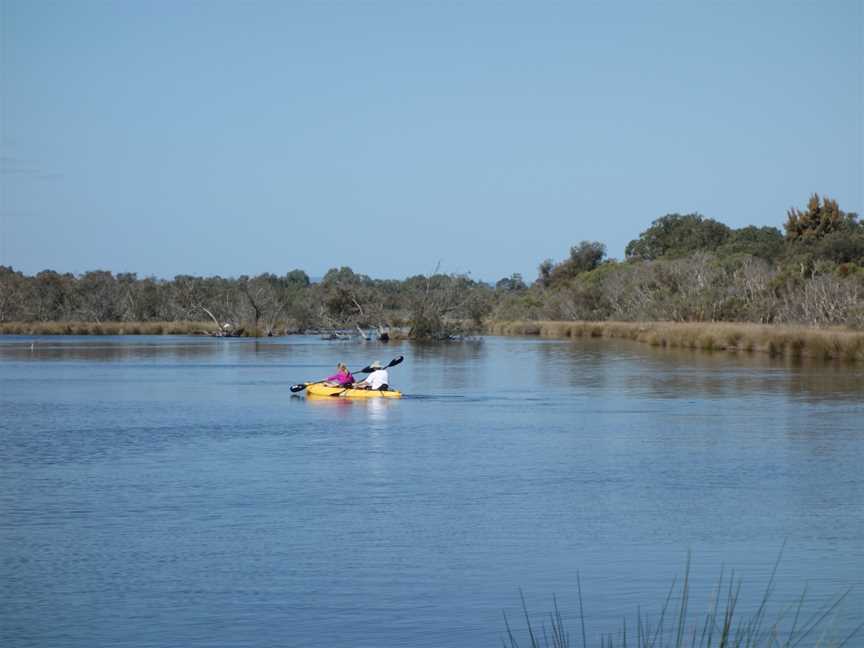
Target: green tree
pixel 52 296
pixel 511 284
pixel 349 298
pixel 13 294
pixel 763 242
pixel 584 257
pixel 439 303
pixel 151 298
pixel 98 296
pixel 544 272
pixel 842 247
pixel 676 235
pixel 297 278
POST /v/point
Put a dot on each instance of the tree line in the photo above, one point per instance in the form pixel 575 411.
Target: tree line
pixel 683 267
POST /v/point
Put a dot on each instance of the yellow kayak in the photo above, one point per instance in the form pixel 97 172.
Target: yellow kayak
pixel 341 392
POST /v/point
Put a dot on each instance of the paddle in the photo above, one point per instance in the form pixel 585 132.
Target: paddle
pixel 395 361
pixel 301 386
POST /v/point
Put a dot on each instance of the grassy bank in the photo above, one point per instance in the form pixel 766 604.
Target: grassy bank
pixel 790 341
pixel 106 328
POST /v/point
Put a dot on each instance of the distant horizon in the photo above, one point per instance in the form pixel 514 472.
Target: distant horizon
pixel 229 138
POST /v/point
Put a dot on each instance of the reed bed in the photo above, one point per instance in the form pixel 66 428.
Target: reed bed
pixel 788 341
pixel 107 328
pixel 722 625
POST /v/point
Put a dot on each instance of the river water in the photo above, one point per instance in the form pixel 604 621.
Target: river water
pixel 171 491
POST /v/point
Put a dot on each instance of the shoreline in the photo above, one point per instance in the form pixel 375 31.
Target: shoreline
pixel 776 340
pixel 108 328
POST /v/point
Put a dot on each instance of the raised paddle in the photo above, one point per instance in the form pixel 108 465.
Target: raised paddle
pixel 301 386
pixel 392 363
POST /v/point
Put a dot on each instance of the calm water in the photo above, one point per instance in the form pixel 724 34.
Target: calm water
pixel 172 492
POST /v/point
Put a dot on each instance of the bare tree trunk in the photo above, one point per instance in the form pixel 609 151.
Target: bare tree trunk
pixel 215 321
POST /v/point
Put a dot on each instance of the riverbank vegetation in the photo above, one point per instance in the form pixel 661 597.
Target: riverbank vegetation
pixel 107 328
pixel 722 623
pixel 684 268
pixel 777 340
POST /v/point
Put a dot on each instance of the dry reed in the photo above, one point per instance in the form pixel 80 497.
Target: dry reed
pixel 722 625
pixel 788 341
pixel 106 328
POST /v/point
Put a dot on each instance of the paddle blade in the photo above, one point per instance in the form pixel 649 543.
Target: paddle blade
pixel 300 387
pixel 395 361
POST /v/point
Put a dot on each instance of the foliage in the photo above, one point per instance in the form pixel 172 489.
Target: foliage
pixel 544 272
pixel 763 242
pixel 513 283
pixel 584 257
pixel 676 235
pixel 822 217
pixel 440 305
pixel 348 298
pixel 683 268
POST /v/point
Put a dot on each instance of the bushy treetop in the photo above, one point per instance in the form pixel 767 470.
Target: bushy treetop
pixel 822 217
pixel 677 235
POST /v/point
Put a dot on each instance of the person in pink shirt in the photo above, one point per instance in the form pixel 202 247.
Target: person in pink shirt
pixel 342 377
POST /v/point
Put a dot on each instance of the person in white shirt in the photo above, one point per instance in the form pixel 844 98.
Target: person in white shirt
pixel 378 379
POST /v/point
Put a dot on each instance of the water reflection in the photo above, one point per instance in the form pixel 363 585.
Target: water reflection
pixel 453 365
pixel 102 350
pixel 685 374
pixel 375 410
pixel 334 403
pixel 583 367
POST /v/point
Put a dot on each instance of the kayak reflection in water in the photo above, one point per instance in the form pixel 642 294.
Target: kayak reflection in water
pixel 378 379
pixel 342 377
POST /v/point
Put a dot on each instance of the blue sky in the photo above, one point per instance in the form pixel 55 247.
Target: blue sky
pixel 244 137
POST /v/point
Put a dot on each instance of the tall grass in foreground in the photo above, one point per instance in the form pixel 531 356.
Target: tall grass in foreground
pixel 790 341
pixel 722 626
